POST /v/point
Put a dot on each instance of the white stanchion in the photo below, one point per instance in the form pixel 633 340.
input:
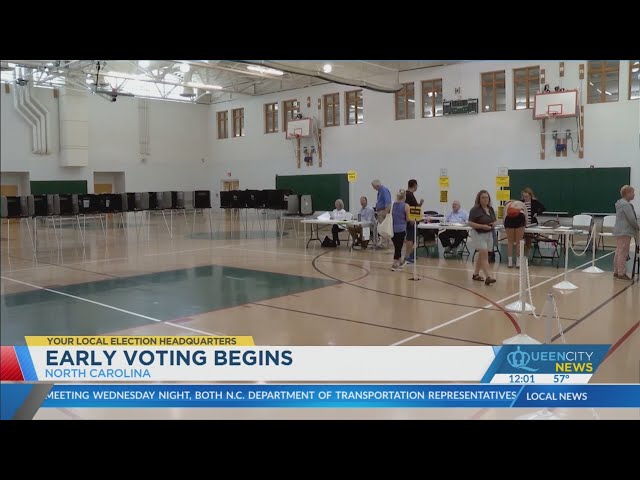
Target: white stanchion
pixel 593 268
pixel 521 306
pixel 566 284
pixel 415 252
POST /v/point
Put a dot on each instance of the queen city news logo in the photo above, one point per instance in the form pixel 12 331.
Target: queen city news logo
pixel 565 362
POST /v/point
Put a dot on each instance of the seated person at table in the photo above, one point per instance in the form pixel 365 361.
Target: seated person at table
pixel 366 215
pixel 456 215
pixel 338 214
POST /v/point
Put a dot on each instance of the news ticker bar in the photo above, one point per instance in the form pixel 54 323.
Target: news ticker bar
pixel 342 396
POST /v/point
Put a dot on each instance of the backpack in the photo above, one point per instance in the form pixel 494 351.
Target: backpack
pixel 329 243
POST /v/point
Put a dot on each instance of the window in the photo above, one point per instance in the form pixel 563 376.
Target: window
pixel 291 109
pixel 354 112
pixel 332 110
pixel 634 79
pixel 238 122
pixel 493 92
pixel 432 98
pixel 604 79
pixel 526 83
pixel 271 118
pixel 406 102
pixel 222 125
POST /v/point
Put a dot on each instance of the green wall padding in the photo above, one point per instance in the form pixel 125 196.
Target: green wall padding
pixel 573 190
pixel 58 186
pixel 325 189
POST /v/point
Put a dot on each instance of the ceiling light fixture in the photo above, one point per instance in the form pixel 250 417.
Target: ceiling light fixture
pixel 203 86
pixel 185 67
pixel 327 68
pixel 267 70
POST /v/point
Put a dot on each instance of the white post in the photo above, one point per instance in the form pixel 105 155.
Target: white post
pixel 566 284
pixel 415 251
pixel 593 268
pixel 521 305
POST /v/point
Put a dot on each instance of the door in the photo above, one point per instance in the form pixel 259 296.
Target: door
pixel 9 191
pixel 102 188
pixel 227 186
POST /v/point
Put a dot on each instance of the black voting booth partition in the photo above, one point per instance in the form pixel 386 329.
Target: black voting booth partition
pixel 258 199
pixel 76 206
pixel 264 200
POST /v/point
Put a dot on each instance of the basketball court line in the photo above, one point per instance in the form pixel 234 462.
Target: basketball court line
pixel 372 261
pixel 458 304
pixel 369 324
pixel 594 310
pixel 110 306
pixel 50 265
pixel 461 317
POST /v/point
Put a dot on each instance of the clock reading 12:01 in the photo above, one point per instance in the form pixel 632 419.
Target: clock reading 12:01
pixel 521 378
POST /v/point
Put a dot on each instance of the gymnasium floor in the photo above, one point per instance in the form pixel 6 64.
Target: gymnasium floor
pixel 238 283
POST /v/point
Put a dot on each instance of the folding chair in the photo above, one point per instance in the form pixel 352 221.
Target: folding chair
pixel 547 239
pixel 607 230
pixel 463 249
pixel 582 222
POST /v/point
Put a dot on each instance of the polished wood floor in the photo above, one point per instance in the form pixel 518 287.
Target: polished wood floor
pixel 353 298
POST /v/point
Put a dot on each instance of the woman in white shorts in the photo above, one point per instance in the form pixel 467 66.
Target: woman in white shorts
pixel 482 218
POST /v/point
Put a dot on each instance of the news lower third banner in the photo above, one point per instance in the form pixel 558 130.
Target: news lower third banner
pixel 237 359
pixel 15 396
pixel 77 372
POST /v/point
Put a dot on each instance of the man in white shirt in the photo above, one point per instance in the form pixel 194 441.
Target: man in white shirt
pixel 366 215
pixel 338 214
pixel 456 215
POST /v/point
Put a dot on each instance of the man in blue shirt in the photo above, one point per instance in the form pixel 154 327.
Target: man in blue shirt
pixel 456 215
pixel 383 202
pixel 366 214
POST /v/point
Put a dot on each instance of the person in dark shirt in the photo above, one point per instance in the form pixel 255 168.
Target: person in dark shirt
pixel 534 208
pixel 412 186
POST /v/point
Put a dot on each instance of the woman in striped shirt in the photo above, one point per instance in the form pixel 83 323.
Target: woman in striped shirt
pixel 534 208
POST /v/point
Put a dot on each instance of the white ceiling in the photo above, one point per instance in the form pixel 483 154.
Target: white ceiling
pixel 209 80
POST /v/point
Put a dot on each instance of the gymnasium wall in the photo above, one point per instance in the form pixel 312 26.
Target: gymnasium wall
pixel 472 147
pixel 178 143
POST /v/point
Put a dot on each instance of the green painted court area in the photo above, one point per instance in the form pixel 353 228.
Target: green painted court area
pixel 161 296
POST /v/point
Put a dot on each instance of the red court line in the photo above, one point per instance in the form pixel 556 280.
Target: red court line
pixel 622 339
pixel 499 307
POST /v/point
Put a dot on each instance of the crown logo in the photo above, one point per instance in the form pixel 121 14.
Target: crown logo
pixel 520 360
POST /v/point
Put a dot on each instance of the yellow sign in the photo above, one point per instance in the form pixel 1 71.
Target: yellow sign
pixel 443 182
pixel 500 211
pixel 444 196
pixel 415 213
pixel 502 181
pixel 352 176
pixel 503 195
